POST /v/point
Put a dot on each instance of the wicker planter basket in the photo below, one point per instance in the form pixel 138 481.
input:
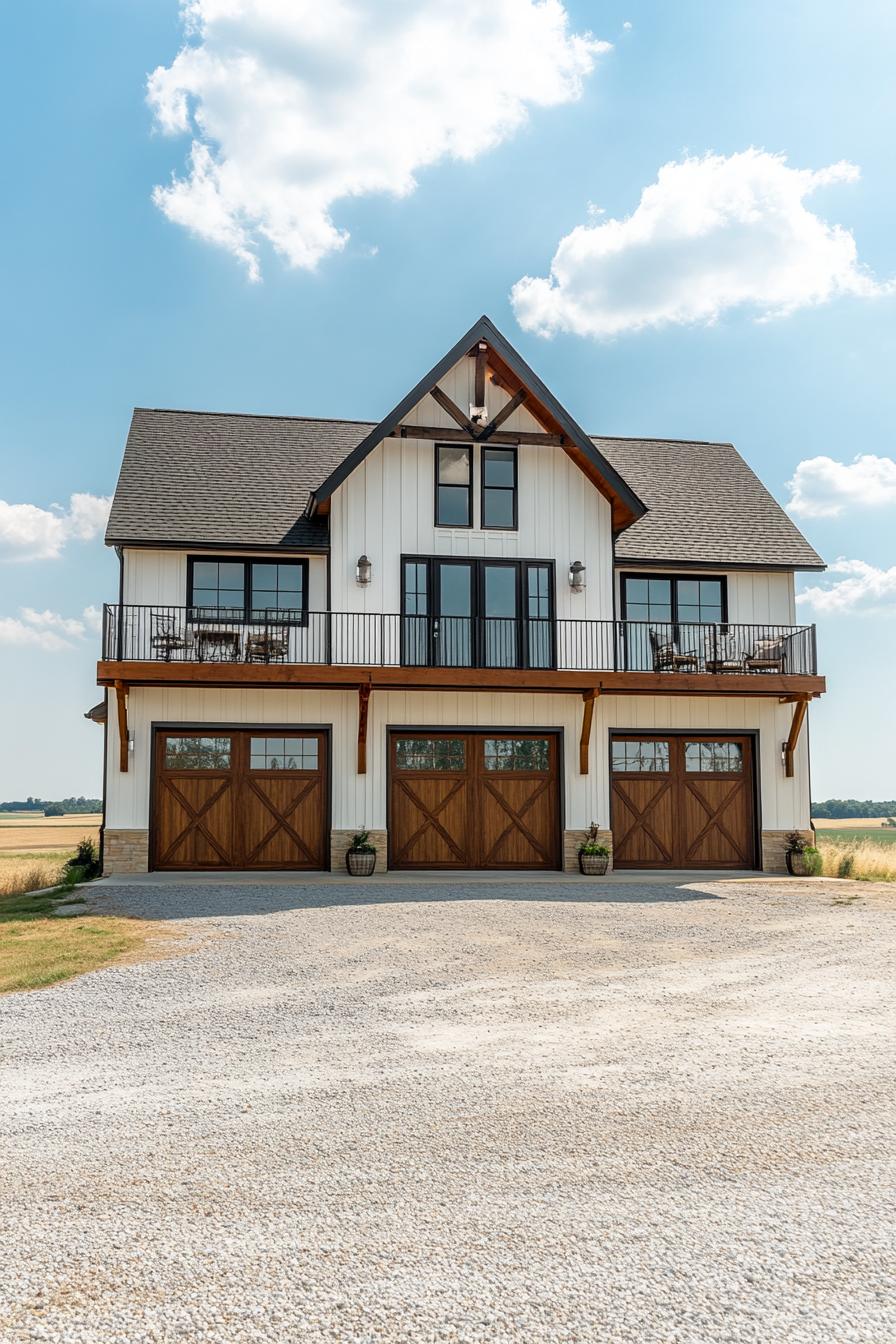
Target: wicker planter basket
pixel 593 865
pixel 360 862
pixel 797 865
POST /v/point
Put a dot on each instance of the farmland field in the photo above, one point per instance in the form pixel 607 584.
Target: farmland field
pixel 29 832
pixel 858 834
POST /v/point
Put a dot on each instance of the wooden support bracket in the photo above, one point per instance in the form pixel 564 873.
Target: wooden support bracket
pixel 453 410
pixel 121 692
pixel 789 747
pixel 363 702
pixel 589 698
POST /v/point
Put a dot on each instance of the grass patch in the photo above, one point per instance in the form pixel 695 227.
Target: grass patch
pixel 38 947
pixel 863 860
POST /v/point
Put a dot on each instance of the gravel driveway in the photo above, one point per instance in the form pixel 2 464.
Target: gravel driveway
pixel 461 1113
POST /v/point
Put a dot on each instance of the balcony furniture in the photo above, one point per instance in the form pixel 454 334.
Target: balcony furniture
pixel 271 645
pixel 767 656
pixel 217 646
pixel 666 656
pixel 166 636
pixel 722 653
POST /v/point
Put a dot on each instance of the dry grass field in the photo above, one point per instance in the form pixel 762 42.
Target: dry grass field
pixel 30 833
pixel 835 823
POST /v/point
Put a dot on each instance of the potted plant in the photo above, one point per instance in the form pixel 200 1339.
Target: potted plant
pixel 802 859
pixel 360 858
pixel 593 856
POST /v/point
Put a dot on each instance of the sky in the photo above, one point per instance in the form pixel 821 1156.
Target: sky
pixel 681 215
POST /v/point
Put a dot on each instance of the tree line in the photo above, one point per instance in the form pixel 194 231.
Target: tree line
pixel 61 806
pixel 837 808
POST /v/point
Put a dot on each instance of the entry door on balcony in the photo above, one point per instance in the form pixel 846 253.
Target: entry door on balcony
pixel 477 613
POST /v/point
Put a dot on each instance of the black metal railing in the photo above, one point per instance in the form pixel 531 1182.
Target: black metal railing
pixel 373 639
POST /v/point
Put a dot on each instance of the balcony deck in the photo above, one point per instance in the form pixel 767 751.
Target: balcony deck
pixel 160 645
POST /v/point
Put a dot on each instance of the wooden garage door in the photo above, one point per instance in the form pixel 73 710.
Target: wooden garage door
pixel 239 799
pixel 474 800
pixel 682 801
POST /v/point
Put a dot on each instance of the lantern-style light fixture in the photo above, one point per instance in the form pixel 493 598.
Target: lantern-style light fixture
pixel 577 576
pixel 363 570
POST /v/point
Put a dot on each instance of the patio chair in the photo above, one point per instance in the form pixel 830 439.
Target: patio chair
pixel 166 637
pixel 667 658
pixel 722 653
pixel 270 645
pixel 767 656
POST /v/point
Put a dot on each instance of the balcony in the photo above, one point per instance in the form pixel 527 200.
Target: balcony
pixel 448 650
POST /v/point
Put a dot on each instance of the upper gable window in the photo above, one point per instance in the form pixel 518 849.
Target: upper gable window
pixel 454 485
pixel 499 488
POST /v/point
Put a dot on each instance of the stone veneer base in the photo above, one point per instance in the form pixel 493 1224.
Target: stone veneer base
pixel 571 842
pixel 340 841
pixel 125 852
pixel 773 848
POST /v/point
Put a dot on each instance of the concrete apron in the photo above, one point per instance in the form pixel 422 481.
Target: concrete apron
pixel 438 878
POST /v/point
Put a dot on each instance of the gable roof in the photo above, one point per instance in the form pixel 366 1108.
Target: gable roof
pixel 238 481
pixel 705 507
pixel 515 373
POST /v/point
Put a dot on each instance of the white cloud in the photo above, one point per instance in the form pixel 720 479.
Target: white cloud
pixel 294 105
pixel 28 532
pixel 48 630
pixel 864 589
pixel 710 234
pixel 822 487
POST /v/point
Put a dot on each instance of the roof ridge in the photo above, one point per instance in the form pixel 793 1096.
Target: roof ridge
pixel 639 438
pixel 255 415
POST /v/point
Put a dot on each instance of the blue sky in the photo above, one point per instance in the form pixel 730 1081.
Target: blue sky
pixel 109 302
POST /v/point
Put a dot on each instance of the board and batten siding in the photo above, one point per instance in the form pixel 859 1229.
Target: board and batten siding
pixel 385 509
pixel 157 577
pixel 360 800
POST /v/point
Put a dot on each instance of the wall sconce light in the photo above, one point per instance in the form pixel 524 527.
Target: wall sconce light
pixel 363 570
pixel 577 576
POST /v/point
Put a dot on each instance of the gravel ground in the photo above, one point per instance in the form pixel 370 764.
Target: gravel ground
pixel 448 1113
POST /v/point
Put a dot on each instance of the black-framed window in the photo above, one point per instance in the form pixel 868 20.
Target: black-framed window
pixel 454 485
pixel 248 590
pixel 499 488
pixel 674 599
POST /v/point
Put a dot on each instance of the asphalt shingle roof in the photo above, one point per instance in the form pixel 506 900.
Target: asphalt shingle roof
pixel 196 477
pixel 200 478
pixel 704 505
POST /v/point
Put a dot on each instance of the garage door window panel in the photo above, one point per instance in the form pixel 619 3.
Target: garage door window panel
pixel 283 753
pixel 197 753
pixel 432 754
pixel 524 754
pixel 641 757
pixel 713 758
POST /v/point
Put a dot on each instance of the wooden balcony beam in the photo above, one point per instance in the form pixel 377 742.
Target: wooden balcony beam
pixel 512 679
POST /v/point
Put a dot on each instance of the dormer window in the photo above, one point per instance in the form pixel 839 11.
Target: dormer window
pixel 499 488
pixel 454 485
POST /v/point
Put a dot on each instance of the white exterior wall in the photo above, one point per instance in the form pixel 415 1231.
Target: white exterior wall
pixel 159 577
pixel 360 800
pixel 386 509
